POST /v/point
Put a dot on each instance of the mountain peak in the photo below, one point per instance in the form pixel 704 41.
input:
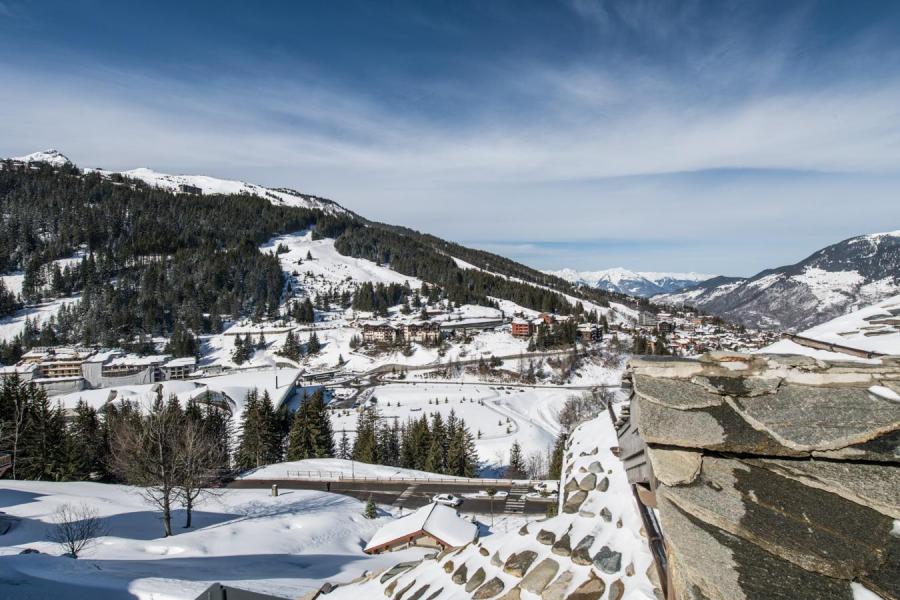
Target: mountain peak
pixel 50 156
pixel 633 283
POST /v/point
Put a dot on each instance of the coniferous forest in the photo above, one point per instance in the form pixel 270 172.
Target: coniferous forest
pixel 145 261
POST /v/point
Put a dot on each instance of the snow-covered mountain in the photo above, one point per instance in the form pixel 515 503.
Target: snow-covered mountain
pixel 208 185
pixel 875 328
pixel 642 284
pixel 51 156
pixel 838 279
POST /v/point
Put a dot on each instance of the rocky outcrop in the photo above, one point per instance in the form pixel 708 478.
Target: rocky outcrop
pixel 774 476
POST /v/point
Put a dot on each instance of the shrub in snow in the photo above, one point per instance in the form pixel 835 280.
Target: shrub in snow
pixel 76 527
pixel 371 511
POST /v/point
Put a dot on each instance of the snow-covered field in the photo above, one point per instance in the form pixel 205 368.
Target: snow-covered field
pixel 285 545
pixel 503 414
pixel 873 328
pixel 324 468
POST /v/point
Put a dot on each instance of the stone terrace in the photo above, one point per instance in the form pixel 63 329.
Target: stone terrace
pixel 774 476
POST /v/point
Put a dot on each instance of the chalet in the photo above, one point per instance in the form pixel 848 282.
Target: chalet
pixel 522 328
pixel 646 319
pixel 547 318
pixel 432 526
pixel 184 188
pixel 180 368
pixel 424 333
pixel 589 332
pixel 379 333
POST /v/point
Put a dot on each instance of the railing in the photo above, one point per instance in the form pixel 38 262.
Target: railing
pixel 820 345
pixel 341 476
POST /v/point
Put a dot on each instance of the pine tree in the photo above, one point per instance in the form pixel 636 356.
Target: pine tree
pixel 344 448
pixel 371 511
pixel 87 438
pixel 516 468
pixel 556 457
pixel 313 346
pixel 291 348
pixel 365 446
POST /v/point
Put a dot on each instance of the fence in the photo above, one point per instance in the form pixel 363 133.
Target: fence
pixel 341 476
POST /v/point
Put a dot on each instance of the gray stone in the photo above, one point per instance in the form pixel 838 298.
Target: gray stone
pixel 587 514
pixel 675 467
pixel 513 594
pixel 608 560
pixel 517 564
pixel 496 560
pixel 483 551
pixel 540 576
pixel 476 580
pixel 448 566
pixel 806 418
pixel 571 485
pixel 581 555
pixel 573 502
pixel 490 589
pixel 716 564
pixel 675 393
pixel 874 485
pixel 606 515
pixel 809 527
pixel 588 482
pixel 563 546
pixel 523 530
pixel 420 592
pixel 404 589
pixel 737 386
pixel 629 570
pixel 591 589
pixel 546 537
pixel 389 590
pixel 558 588
pixel 595 467
pixel 435 593
pixel 616 590
pixel 603 485
pixel 397 569
pixel 619 523
pixel 460 576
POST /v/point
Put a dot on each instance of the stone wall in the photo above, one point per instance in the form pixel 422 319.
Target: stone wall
pixel 774 476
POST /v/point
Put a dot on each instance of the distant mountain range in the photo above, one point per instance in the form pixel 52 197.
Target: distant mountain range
pixel 834 281
pixel 623 281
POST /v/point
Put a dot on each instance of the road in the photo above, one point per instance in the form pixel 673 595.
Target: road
pixel 414 495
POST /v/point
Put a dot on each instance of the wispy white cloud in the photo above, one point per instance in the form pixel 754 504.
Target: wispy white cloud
pixel 594 148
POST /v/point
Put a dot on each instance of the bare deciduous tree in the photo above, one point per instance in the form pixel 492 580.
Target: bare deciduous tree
pixel 76 527
pixel 536 465
pixel 144 452
pixel 197 455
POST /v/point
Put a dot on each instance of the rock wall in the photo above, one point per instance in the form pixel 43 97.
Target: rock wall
pixel 774 476
pixel 593 550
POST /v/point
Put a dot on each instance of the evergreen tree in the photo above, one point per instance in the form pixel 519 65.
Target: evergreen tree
pixel 88 441
pixel 371 511
pixel 313 346
pixel 365 446
pixel 556 457
pixel 291 348
pixel 516 468
pixel 344 449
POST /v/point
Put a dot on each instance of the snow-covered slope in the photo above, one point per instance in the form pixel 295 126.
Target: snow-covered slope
pixel 875 328
pixel 284 546
pixel 633 283
pixel 51 157
pixel 213 185
pixel 829 283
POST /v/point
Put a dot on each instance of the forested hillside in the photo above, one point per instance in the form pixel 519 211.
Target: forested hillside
pixel 143 260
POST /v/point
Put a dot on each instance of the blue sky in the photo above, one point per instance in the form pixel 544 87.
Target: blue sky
pixel 721 137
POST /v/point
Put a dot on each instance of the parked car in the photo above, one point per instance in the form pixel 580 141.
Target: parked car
pixel 447 500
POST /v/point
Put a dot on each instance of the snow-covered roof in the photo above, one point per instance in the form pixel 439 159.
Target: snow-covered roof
pixel 437 520
pixel 187 361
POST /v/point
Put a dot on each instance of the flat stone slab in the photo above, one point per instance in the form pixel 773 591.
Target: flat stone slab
pixel 558 588
pixel 814 529
pixel 475 580
pixel 490 589
pixel 807 418
pixel 517 564
pixel 592 589
pixel 540 576
pixel 675 467
pixel 679 394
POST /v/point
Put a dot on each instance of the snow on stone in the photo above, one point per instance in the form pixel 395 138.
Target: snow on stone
pixel 439 521
pixel 335 468
pixel 591 457
pixel 875 328
pixel 285 545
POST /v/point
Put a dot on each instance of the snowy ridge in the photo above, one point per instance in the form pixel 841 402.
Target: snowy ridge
pixel 51 157
pixel 632 283
pixel 833 281
pixel 213 185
